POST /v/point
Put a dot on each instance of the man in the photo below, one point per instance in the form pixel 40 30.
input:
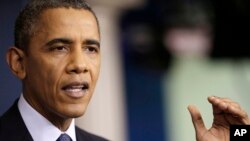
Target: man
pixel 57 58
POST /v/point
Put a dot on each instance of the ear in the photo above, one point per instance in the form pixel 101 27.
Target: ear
pixel 15 59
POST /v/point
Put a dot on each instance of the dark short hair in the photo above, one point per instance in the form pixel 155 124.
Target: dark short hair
pixel 28 18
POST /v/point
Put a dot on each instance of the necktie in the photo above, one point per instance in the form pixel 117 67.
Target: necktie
pixel 64 137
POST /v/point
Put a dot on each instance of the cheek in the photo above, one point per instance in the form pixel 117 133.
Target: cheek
pixel 52 87
pixel 47 74
pixel 36 73
pixel 39 80
pixel 54 76
pixel 95 68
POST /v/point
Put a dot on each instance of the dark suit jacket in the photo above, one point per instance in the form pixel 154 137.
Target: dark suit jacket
pixel 12 128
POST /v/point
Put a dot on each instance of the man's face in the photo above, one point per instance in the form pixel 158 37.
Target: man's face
pixel 62 63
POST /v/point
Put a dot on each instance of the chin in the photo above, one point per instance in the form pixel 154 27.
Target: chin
pixel 76 115
pixel 75 112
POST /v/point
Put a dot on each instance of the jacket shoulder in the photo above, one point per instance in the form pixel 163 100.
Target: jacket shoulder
pixel 12 127
pixel 83 135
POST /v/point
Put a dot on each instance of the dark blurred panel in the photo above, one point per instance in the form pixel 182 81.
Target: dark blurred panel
pixel 230 23
pixel 232 29
pixel 144 104
pixel 145 60
pixel 10 87
pixel 142 39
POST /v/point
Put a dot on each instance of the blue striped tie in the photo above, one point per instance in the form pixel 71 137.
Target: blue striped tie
pixel 64 137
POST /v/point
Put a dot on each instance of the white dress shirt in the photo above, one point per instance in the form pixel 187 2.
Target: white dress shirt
pixel 39 127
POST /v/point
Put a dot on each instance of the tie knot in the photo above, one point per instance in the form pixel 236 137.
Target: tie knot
pixel 64 137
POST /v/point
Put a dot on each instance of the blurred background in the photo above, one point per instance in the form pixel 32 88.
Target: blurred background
pixel 158 56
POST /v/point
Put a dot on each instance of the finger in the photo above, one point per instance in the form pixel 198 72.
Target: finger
pixel 197 120
pixel 221 98
pixel 239 114
pixel 218 105
pixel 226 105
pixel 216 100
pixel 235 111
pixel 230 108
pixel 211 99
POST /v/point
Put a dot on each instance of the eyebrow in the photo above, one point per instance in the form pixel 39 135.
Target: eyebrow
pixel 92 42
pixel 59 40
pixel 69 41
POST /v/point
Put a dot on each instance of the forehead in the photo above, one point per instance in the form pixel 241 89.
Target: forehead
pixel 67 19
pixel 63 12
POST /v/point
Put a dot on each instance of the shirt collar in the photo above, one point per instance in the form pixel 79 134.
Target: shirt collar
pixel 39 127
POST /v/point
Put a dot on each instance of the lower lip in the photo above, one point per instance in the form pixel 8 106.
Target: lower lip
pixel 75 93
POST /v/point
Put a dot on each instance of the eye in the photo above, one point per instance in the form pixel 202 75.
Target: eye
pixel 58 48
pixel 92 49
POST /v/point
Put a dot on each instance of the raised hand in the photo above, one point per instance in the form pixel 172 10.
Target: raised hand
pixel 226 112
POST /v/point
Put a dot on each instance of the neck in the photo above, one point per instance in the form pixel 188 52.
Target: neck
pixel 62 123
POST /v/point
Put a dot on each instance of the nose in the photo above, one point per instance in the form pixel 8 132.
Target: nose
pixel 77 63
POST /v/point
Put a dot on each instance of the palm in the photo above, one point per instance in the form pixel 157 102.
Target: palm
pixel 214 134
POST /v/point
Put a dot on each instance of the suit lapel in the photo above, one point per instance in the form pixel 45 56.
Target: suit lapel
pixel 79 137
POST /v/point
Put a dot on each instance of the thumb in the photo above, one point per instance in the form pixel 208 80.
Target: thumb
pixel 198 123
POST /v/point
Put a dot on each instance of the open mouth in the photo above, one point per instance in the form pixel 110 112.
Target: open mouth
pixel 76 89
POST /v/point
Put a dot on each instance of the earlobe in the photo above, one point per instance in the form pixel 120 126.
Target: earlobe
pixel 15 59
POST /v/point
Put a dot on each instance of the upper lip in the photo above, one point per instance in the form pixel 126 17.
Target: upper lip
pixel 76 85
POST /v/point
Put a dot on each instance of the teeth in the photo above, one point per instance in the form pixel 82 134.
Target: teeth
pixel 74 90
pixel 76 87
